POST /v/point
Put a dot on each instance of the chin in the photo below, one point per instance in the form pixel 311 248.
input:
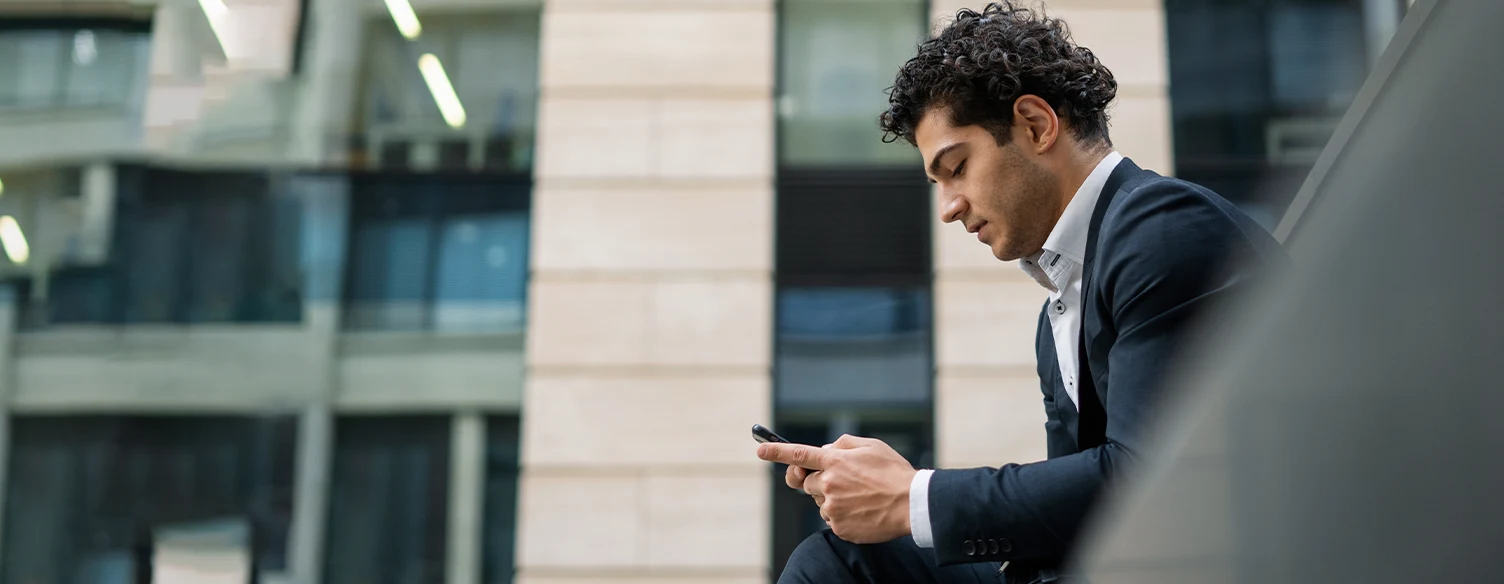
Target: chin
pixel 1005 252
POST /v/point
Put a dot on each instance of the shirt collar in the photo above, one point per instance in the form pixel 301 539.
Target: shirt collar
pixel 1068 239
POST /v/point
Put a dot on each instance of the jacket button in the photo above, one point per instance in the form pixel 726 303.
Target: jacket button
pixel 969 548
pixel 1005 545
pixel 992 546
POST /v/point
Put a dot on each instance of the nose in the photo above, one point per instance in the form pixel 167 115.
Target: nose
pixel 952 206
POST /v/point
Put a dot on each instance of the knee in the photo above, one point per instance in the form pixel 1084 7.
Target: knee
pixel 814 561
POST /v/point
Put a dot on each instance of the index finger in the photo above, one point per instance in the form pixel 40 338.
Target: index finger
pixel 794 455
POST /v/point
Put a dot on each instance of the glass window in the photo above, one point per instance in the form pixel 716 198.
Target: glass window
pixel 837 58
pixel 845 347
pixel 502 468
pixel 852 346
pixel 188 247
pixel 57 64
pixel 846 225
pixel 1259 86
pixel 491 62
pixel 388 502
pixel 438 252
pixel 91 497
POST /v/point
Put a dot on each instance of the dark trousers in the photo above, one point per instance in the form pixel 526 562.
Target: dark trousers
pixel 826 559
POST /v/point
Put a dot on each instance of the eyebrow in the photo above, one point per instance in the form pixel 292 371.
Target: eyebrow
pixel 935 162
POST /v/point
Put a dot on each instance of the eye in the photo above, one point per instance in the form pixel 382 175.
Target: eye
pixel 959 168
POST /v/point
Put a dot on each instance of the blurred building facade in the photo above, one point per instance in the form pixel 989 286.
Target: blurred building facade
pixel 461 291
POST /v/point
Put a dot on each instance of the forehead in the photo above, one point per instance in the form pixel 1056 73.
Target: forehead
pixel 934 131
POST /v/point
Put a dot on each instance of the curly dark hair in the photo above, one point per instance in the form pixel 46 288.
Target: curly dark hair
pixel 980 64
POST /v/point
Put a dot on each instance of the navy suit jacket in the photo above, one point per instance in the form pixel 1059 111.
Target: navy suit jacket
pixel 1160 251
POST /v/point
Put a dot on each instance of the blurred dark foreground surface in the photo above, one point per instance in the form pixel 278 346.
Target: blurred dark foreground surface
pixel 1349 431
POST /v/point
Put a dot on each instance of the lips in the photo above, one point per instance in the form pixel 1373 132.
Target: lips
pixel 977 230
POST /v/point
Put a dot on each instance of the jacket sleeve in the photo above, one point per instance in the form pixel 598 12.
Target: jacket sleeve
pixel 1164 252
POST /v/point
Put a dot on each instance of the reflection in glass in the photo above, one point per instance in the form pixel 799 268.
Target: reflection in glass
pixel 88 494
pixel 1258 87
pixel 187 247
pixel 837 57
pixel 388 502
pixel 438 252
pixel 42 67
pixel 490 60
pixel 849 347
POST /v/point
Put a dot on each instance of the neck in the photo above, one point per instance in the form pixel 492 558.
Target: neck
pixel 1079 166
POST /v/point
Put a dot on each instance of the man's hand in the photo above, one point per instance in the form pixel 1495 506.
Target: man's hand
pixel 860 484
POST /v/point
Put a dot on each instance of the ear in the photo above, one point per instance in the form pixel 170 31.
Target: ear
pixel 1035 124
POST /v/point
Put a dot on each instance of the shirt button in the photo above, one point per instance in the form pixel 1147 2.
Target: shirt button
pixel 1059 307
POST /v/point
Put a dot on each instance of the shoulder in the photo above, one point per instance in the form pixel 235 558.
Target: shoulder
pixel 1169 232
pixel 1173 218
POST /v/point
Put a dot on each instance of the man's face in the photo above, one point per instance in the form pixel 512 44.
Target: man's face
pixel 1001 193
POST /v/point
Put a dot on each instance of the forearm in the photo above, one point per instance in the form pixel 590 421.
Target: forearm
pixel 1017 512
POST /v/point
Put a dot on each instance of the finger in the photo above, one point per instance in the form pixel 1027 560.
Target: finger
pixel 795 476
pixel 847 442
pixel 814 485
pixel 794 455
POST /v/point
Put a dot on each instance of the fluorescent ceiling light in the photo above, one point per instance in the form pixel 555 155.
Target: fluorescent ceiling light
pixel 406 19
pixel 443 92
pixel 13 240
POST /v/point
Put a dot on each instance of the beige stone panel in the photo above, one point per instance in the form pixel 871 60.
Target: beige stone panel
pixel 653 229
pixel 716 138
pixel 642 420
pixel 704 322
pixel 941 11
pixel 989 420
pixel 1129 41
pixel 525 577
pixel 650 322
pixel 674 47
pixel 605 322
pixel 708 521
pixel 1141 131
pixel 985 323
pixel 579 521
pixel 595 138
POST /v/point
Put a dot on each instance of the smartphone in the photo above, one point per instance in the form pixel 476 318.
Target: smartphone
pixel 762 434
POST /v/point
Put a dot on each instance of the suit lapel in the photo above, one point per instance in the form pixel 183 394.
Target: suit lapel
pixel 1092 417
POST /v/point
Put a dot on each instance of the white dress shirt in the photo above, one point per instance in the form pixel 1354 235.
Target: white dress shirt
pixel 1056 267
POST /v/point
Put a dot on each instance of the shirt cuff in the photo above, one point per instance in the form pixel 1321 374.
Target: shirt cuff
pixel 919 509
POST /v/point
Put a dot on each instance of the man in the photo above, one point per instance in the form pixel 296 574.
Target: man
pixel 1010 117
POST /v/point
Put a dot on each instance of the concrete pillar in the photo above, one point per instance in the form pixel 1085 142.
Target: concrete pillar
pixel 322 114
pixel 467 490
pixel 325 217
pixel 650 308
pixel 311 512
pixel 988 407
